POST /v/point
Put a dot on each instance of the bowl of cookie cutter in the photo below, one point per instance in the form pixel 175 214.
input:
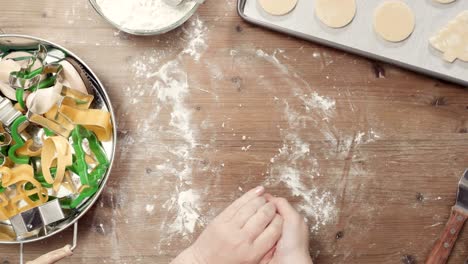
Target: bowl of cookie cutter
pixel 146 18
pixel 57 140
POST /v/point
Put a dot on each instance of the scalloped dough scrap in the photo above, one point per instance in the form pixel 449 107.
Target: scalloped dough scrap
pixel 452 40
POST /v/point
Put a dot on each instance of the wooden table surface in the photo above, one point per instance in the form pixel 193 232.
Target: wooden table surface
pixel 369 152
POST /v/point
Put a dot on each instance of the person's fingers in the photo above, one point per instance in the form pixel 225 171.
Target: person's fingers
pixel 260 220
pixel 294 223
pixel 248 210
pixel 284 208
pixel 268 238
pixel 268 197
pixel 269 256
pixel 232 209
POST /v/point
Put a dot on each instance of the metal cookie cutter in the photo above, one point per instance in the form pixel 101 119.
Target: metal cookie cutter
pixel 8 113
pixel 24 79
pixel 5 141
pixel 26 43
pixel 37 217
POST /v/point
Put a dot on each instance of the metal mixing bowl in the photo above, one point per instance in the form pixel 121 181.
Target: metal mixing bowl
pixel 146 32
pixel 101 101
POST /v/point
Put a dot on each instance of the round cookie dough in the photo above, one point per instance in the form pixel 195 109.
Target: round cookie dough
pixel 278 7
pixel 394 21
pixel 445 1
pixel 335 13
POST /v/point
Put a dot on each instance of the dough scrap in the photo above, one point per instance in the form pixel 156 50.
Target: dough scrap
pixel 56 150
pixel 72 78
pixel 42 100
pixel 278 7
pixel 6 67
pixel 452 40
pixel 335 13
pixel 394 21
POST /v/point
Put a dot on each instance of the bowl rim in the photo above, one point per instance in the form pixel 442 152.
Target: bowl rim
pixel 160 31
pixel 107 101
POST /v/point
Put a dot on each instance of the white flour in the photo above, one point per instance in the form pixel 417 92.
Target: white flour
pixel 160 77
pixel 316 101
pixel 149 208
pixel 196 39
pixel 143 15
pixel 188 216
pixel 296 166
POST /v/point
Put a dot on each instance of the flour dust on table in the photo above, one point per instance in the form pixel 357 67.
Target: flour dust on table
pixel 160 79
pixel 298 163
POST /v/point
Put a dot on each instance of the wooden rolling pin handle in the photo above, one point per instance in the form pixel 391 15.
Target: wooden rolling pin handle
pixel 443 247
pixel 53 256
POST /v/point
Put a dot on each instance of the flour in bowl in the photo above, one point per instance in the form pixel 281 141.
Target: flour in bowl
pixel 144 15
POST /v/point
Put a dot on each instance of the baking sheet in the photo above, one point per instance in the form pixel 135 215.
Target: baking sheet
pixel 414 53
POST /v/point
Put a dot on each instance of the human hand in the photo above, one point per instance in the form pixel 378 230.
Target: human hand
pixel 293 246
pixel 243 233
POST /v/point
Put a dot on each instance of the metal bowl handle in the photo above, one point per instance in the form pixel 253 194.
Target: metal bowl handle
pixel 55 255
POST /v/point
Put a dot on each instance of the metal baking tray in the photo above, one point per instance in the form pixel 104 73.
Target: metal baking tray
pixel 101 101
pixel 414 53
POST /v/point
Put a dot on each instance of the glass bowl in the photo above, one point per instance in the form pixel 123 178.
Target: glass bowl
pixel 151 32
